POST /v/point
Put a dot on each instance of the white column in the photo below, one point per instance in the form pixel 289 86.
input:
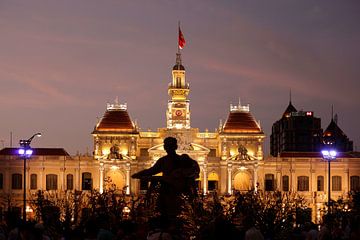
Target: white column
pixel 259 153
pixel 278 180
pixel 255 178
pixel 224 150
pixel 62 179
pixel 127 178
pixel 229 172
pixel 101 178
pixel 77 180
pixel 312 180
pixel 78 175
pixel 205 179
pixel 293 180
pixel 346 182
pixel 41 176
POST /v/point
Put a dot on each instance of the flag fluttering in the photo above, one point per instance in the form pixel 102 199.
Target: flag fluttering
pixel 181 39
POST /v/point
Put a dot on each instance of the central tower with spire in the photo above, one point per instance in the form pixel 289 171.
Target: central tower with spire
pixel 178 110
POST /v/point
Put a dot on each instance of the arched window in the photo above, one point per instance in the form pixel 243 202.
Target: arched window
pixel 69 182
pixel 51 182
pixel 269 182
pixel 320 183
pixel 303 183
pixel 336 183
pixel 33 181
pixel 213 180
pixel 354 183
pixel 16 181
pixel 86 181
pixel 285 183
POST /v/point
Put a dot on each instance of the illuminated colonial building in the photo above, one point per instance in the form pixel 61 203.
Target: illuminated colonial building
pixel 231 158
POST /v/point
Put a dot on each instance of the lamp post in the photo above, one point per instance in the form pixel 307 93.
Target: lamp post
pixel 25 152
pixel 329 155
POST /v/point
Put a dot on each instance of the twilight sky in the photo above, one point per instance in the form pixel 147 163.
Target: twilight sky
pixel 62 61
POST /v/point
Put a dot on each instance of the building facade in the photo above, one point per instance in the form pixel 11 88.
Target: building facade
pixel 230 158
pixel 296 163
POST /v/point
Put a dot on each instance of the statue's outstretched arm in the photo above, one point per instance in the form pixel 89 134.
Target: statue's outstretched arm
pixel 149 172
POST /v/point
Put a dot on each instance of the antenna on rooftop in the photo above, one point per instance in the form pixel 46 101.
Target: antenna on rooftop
pixel 336 118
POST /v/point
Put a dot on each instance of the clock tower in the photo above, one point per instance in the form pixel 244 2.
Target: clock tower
pixel 178 110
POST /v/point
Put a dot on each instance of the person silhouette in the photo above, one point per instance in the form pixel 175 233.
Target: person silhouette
pixel 178 177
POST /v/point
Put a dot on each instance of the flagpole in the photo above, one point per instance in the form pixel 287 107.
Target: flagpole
pixel 181 44
pixel 178 55
pixel 178 45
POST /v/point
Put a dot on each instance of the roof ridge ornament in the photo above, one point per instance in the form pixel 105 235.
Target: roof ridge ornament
pixel 221 125
pixel 239 108
pixel 116 106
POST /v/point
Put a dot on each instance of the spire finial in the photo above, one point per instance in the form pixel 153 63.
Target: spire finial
pixel 290 95
pixel 178 59
pixel 332 112
pixel 336 118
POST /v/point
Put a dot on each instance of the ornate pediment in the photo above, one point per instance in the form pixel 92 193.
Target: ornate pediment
pixel 114 155
pixel 114 152
pixel 243 155
pixel 191 149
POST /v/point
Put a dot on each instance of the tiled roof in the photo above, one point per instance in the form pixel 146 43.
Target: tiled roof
pixel 241 122
pixel 115 121
pixel 37 151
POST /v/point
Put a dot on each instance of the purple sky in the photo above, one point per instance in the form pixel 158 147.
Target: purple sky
pixel 62 61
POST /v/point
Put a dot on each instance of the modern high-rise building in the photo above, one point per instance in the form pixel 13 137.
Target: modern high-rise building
pixel 296 131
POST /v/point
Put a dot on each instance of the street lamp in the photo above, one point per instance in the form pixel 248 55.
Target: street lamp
pixel 329 155
pixel 25 152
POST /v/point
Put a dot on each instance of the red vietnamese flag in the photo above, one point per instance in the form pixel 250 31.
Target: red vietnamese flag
pixel 181 40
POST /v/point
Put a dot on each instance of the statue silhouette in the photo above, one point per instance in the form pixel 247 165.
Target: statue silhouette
pixel 179 174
